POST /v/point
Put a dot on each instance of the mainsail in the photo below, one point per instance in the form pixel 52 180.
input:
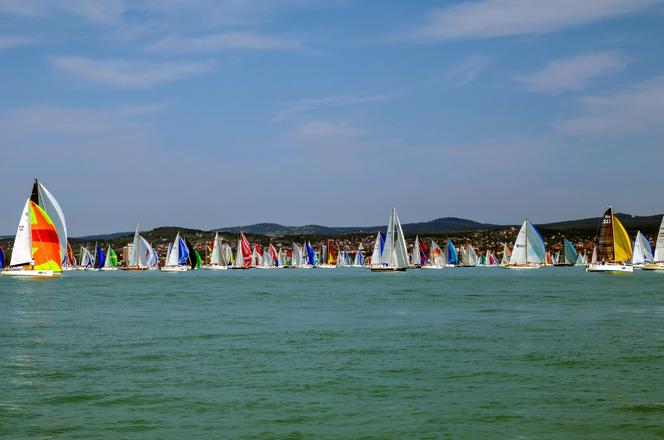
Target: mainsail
pixel 570 252
pixel 642 250
pixel 659 245
pixel 613 242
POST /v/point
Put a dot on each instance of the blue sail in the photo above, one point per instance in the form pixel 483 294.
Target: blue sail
pixel 183 252
pixel 360 258
pixel 570 252
pixel 382 242
pixel 452 254
pixel 100 258
pixel 2 258
pixel 311 255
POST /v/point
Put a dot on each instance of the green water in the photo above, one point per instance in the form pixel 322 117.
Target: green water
pixel 458 353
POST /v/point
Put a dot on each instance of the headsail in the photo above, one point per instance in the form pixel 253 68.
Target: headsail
pixel 22 251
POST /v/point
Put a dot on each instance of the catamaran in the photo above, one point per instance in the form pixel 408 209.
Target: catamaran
pixel 614 249
pixel 394 256
pixel 41 237
pixel 177 256
pixel 658 257
pixel 529 251
pixel 570 255
pixel 642 254
pixel 111 262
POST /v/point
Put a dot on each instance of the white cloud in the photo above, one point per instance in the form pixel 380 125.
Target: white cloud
pixel 224 41
pixel 468 70
pixel 494 18
pixel 294 108
pixel 129 74
pixel 572 73
pixel 8 42
pixel 636 110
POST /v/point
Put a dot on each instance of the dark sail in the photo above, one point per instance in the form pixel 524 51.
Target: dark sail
pixel 605 238
pixel 35 192
pixel 192 254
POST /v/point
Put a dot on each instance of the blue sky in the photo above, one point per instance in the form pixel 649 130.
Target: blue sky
pixel 206 113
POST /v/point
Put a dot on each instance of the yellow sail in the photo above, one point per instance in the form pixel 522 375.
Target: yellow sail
pixel 621 244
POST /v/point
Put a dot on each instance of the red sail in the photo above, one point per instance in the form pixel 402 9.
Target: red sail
pixel 246 250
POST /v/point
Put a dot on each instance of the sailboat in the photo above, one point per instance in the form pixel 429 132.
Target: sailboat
pixel 642 254
pixel 41 237
pixel 528 251
pixel 86 261
pixel 359 259
pixel 658 257
pixel 379 245
pixel 569 255
pixel 328 256
pixel 451 254
pixel 505 259
pixel 581 260
pixel 137 253
pixel 100 257
pixel 69 262
pixel 343 259
pixel 217 258
pixel 111 262
pixel 394 256
pixel 436 257
pixel 177 256
pixel 469 257
pixel 243 255
pixel 614 249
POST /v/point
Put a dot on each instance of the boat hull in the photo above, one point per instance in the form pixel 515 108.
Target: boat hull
pixel 214 267
pixel 30 273
pixel 134 268
pixel 108 269
pixel 524 267
pixel 655 266
pixel 175 268
pixel 388 269
pixel 610 268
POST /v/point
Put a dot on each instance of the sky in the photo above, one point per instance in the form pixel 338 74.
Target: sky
pixel 211 113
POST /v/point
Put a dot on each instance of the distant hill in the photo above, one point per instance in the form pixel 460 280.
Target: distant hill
pixel 437 226
pixel 648 224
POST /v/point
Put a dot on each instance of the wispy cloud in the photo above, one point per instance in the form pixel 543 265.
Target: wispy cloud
pixel 468 70
pixel 294 108
pixel 224 41
pixel 97 11
pixel 129 74
pixel 635 110
pixel 8 41
pixel 495 18
pixel 572 73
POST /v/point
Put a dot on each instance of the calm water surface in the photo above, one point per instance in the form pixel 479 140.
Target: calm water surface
pixel 457 353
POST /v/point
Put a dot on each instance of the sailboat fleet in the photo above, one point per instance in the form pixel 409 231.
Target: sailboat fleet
pixel 41 250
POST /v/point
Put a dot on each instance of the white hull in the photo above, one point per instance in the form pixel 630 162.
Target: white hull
pixel 306 266
pixel 175 268
pixel 30 273
pixel 610 268
pixel 654 266
pixel 433 267
pixel 213 267
pixel 108 269
pixel 265 267
pixel 387 269
pixel 524 267
pixel 326 266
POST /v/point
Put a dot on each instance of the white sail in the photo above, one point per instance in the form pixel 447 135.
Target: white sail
pixel 415 258
pixel 464 256
pixel 107 262
pixel 528 246
pixel 387 257
pixel 659 245
pixel 580 260
pixel 296 259
pixel 436 255
pixel 280 258
pixel 401 255
pixel 472 256
pixel 239 258
pixel 642 253
pixel 375 256
pixel 172 259
pixel 506 255
pixel 22 253
pixel 134 252
pixel 216 258
pixel 87 260
pixel 51 205
pixel 593 259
